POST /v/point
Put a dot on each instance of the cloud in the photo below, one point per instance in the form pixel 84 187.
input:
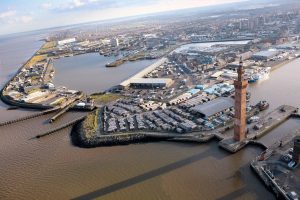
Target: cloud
pixel 47 6
pixel 12 17
pixel 7 14
pixel 70 5
pixel 90 5
pixel 79 3
pixel 73 4
pixel 25 19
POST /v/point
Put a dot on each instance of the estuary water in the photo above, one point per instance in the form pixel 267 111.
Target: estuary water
pixel 15 50
pixel 52 168
pixel 87 72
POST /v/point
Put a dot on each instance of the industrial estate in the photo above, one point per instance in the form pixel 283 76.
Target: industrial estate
pixel 195 90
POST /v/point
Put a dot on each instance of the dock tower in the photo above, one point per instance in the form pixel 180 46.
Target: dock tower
pixel 296 152
pixel 240 86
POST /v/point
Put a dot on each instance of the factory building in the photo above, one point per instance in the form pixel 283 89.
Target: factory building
pixel 245 55
pixel 180 98
pixel 114 42
pixel 151 82
pixel 264 55
pixel 66 41
pixel 214 107
pixel 142 73
pixel 187 126
pixel 216 74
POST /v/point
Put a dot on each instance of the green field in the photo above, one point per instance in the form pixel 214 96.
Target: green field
pixel 105 98
pixel 90 124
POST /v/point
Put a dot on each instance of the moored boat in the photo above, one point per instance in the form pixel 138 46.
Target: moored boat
pixel 263 105
pixel 260 75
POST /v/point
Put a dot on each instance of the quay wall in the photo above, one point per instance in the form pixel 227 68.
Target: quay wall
pixel 283 63
pixel 268 181
pixel 79 138
pixel 225 40
pixel 278 122
pixel 257 143
pixel 8 100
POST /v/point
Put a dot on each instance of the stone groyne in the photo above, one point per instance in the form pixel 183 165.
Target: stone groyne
pixel 34 115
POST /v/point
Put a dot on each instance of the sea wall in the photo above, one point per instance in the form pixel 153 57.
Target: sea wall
pixel 79 138
pixel 8 100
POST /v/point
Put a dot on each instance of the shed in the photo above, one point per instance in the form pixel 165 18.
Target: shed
pixel 213 107
pixel 193 91
pixel 264 55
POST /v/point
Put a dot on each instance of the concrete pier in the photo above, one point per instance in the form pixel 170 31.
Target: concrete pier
pixel 65 107
pixel 258 129
pixel 277 173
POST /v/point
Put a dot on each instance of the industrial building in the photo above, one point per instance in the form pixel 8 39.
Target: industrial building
pixel 180 98
pixel 66 41
pixel 216 74
pixel 264 55
pixel 219 89
pixel 211 108
pixel 245 55
pixel 151 82
pixel 142 73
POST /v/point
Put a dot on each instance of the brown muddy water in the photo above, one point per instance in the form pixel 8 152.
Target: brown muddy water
pixel 52 168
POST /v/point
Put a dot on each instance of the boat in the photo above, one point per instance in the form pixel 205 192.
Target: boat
pixel 260 75
pixel 248 96
pixel 253 79
pixel 253 119
pixel 263 105
pixel 227 94
pixel 69 55
pixel 116 63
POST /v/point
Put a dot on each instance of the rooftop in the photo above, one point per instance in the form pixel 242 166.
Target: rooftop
pixel 150 80
pixel 266 53
pixel 213 107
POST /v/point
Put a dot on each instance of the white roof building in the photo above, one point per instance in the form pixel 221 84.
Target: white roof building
pixel 66 41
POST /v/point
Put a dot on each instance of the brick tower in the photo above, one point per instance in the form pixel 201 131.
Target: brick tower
pixel 240 86
pixel 296 153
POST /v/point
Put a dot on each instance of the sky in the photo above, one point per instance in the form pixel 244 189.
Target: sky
pixel 25 15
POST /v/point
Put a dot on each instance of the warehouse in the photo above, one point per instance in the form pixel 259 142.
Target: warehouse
pixel 264 55
pixel 216 74
pixel 214 107
pixel 151 82
pixel 142 73
pixel 66 41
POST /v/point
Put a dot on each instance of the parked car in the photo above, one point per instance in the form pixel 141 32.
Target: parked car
pixel 291 150
pixel 253 119
pixel 286 158
pixel 292 195
pixel 292 165
pixel 257 126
